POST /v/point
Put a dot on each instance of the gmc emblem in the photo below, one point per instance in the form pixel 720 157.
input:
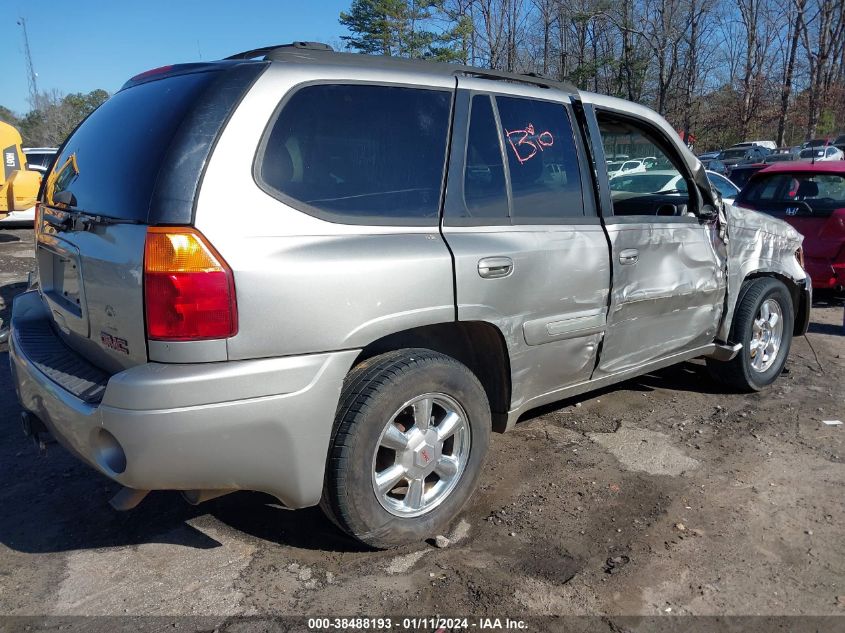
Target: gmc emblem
pixel 115 343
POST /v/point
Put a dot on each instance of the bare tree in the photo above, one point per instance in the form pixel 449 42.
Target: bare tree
pixel 795 21
pixel 823 43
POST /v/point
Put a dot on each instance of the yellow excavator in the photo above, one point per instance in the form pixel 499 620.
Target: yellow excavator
pixel 18 185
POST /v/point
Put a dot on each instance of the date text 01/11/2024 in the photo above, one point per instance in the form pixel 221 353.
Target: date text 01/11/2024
pixel 435 623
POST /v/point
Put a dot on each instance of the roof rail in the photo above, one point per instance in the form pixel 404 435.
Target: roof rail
pixel 534 79
pixel 264 50
pixel 316 52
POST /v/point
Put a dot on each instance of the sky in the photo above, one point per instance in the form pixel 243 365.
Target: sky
pixel 81 45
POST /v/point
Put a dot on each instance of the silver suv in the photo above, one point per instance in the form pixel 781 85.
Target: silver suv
pixel 329 277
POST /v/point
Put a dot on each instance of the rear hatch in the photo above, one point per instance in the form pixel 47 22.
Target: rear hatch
pixel 135 162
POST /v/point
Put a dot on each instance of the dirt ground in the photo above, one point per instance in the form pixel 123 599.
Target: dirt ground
pixel 663 495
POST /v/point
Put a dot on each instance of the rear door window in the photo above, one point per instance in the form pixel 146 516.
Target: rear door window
pixel 485 187
pixel 542 161
pixel 359 154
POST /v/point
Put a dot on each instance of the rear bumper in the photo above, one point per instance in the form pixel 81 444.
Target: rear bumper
pixel 254 425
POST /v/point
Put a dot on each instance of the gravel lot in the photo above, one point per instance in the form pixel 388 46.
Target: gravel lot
pixel 662 495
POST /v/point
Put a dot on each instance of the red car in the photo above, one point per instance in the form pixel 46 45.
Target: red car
pixel 811 197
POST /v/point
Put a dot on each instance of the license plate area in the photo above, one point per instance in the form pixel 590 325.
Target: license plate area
pixel 61 285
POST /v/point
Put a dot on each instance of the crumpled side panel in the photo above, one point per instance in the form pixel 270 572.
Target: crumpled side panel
pixel 670 300
pixel 757 243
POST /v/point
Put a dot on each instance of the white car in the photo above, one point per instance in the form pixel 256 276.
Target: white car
pixel 819 154
pixel 670 182
pixel 767 144
pixel 626 167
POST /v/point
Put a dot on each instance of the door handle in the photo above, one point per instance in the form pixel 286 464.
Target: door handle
pixel 495 267
pixel 629 256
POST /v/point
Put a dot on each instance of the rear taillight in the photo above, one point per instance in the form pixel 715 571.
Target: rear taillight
pixel 189 290
pixel 799 255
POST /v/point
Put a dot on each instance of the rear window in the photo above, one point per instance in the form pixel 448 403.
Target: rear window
pixel 811 153
pixel 110 164
pixel 360 154
pixel 796 194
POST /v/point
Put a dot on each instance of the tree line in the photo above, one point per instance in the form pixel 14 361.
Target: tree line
pixel 53 116
pixel 723 70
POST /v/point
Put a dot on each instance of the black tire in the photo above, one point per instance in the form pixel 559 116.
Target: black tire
pixel 372 393
pixel 739 372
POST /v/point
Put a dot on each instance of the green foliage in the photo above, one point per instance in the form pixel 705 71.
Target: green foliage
pixel 403 28
pixel 55 116
pixel 7 116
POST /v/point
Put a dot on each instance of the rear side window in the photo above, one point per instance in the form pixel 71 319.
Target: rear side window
pixel 360 154
pixel 485 187
pixel 542 161
pixel 110 164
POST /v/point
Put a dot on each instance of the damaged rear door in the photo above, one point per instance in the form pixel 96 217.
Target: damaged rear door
pixel 520 219
pixel 669 285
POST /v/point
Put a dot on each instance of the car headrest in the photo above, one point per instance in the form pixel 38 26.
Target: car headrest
pixel 807 189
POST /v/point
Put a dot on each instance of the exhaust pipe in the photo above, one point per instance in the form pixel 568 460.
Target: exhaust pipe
pixel 196 497
pixel 127 498
pixel 34 429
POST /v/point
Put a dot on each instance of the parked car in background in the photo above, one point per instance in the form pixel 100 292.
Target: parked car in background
pixel 780 157
pixel 750 154
pixel 626 167
pixel 839 142
pixel 438 279
pixel 739 174
pixel 816 142
pixel 715 165
pixel 728 190
pixel 709 155
pixel 669 182
pixel 810 197
pixel 820 154
pixel 39 158
pixel 770 145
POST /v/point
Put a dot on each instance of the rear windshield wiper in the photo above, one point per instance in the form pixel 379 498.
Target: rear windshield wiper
pixel 80 220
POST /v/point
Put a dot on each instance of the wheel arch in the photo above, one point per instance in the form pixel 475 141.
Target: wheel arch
pixel 800 303
pixel 477 344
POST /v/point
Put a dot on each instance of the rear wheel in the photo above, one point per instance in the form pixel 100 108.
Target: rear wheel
pixel 763 323
pixel 410 436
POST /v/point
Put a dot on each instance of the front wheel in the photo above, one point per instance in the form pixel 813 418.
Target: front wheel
pixel 763 322
pixel 410 436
